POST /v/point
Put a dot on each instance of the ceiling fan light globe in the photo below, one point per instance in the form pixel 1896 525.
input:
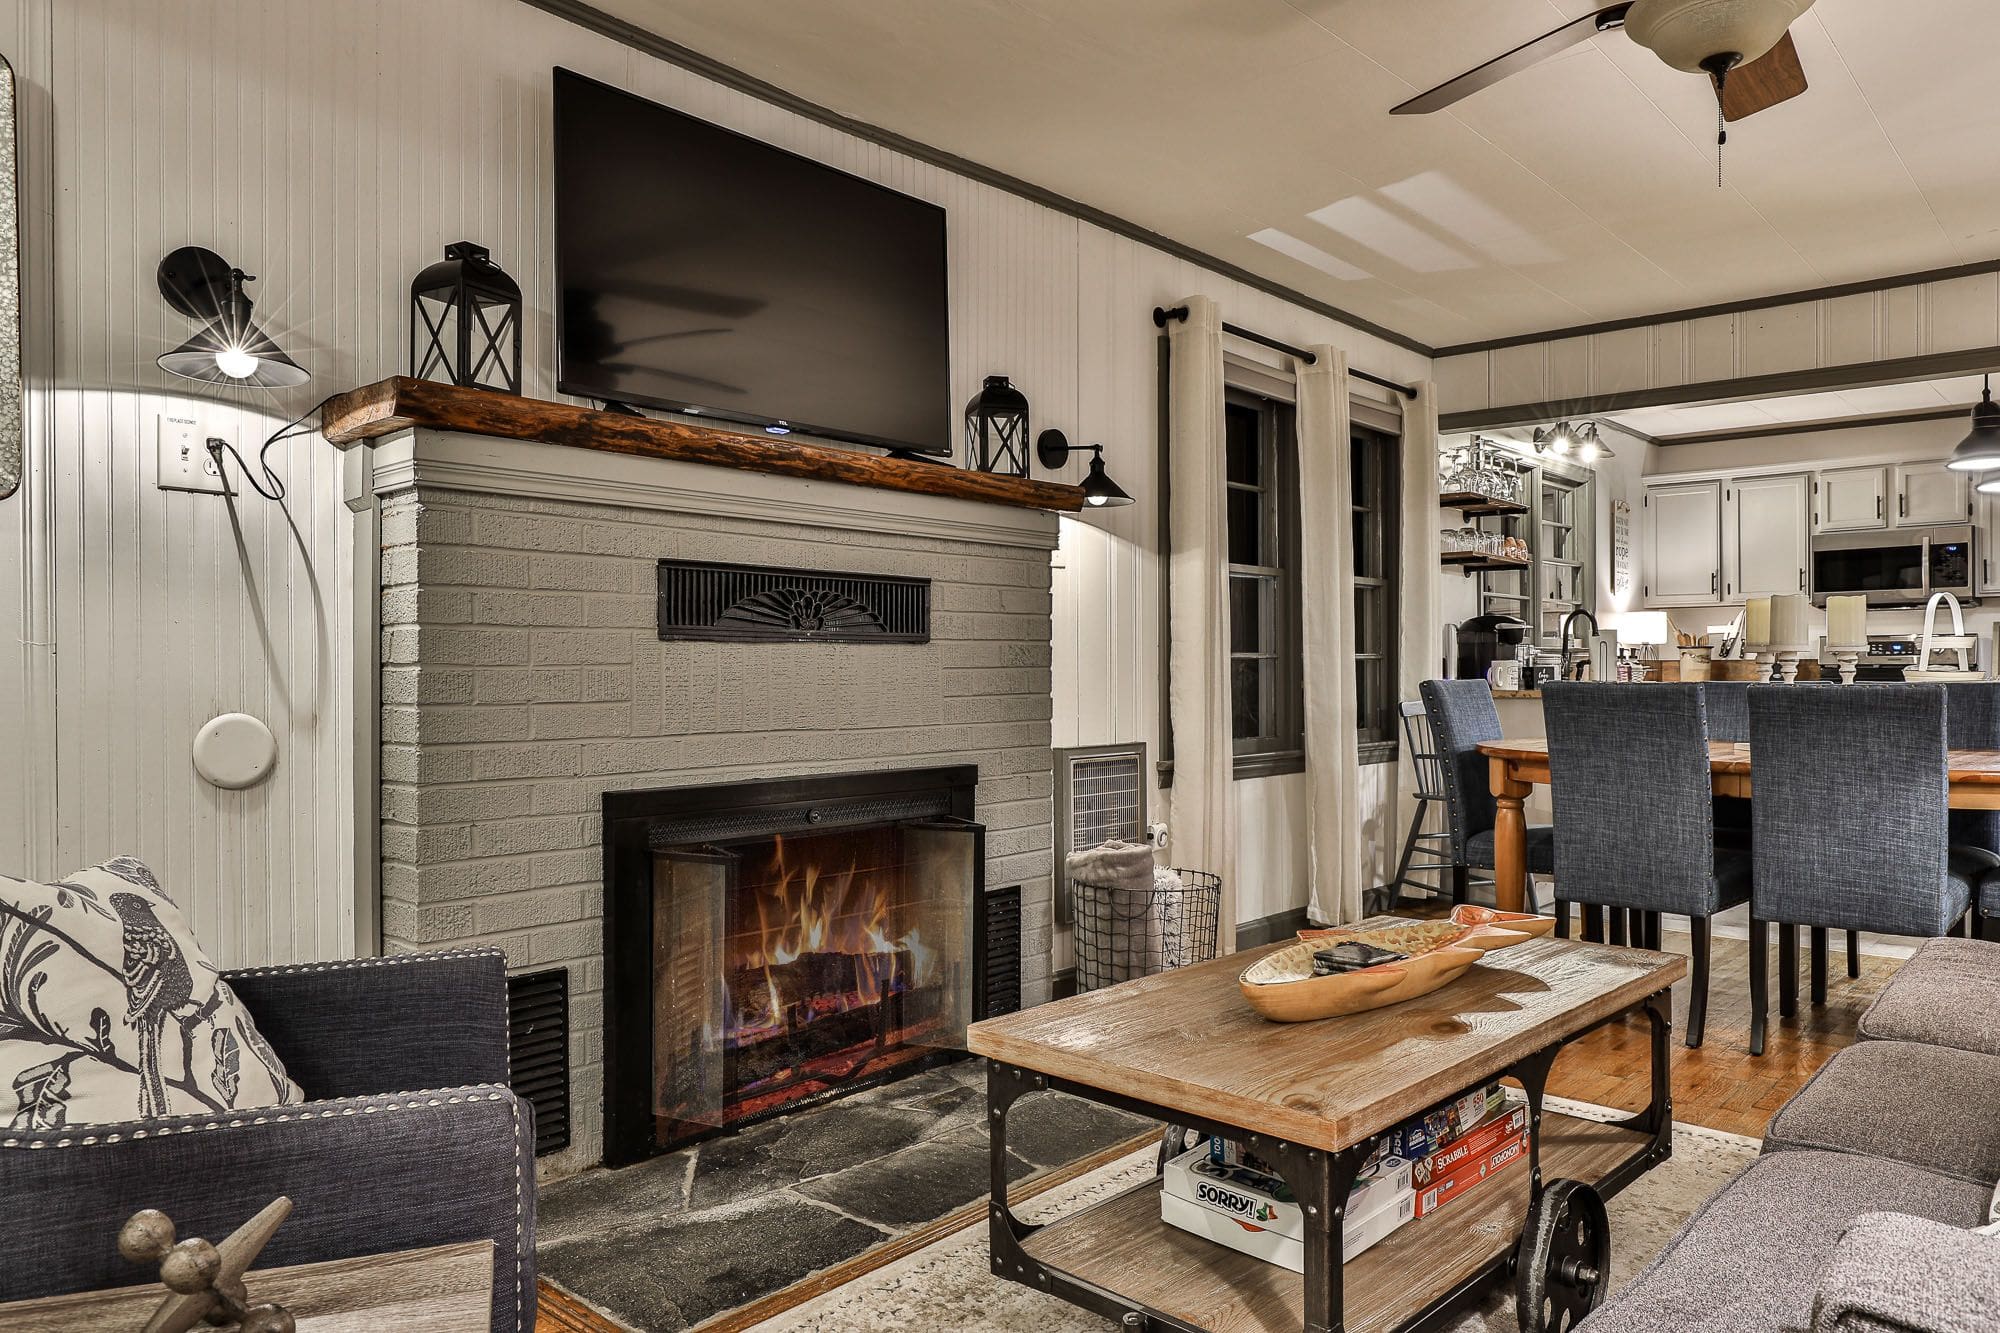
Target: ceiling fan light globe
pixel 1687 33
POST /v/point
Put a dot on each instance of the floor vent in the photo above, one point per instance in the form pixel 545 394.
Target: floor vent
pixel 538 1051
pixel 749 603
pixel 996 963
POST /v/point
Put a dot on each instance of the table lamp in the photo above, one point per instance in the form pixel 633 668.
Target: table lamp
pixel 1790 632
pixel 1757 633
pixel 1847 632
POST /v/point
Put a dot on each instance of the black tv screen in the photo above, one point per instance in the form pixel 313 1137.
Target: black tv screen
pixel 703 271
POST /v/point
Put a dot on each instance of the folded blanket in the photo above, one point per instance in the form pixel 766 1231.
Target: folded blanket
pixel 1114 865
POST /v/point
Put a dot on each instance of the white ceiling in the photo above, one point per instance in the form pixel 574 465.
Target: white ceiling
pixel 1579 191
pixel 1958 394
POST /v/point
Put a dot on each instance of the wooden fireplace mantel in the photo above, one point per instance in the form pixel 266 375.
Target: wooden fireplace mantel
pixel 402 403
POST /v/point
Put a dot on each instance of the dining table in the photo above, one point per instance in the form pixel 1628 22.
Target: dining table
pixel 1518 766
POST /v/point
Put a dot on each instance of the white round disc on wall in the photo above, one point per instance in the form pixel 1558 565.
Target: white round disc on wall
pixel 235 750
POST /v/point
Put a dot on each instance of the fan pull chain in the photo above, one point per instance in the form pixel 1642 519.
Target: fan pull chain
pixel 1721 138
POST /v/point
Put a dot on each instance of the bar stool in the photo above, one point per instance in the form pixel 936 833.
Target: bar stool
pixel 1424 852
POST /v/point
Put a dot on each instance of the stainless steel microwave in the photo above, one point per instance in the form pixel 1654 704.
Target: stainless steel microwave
pixel 1895 567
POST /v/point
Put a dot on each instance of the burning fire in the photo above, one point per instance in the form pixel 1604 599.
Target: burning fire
pixel 834 932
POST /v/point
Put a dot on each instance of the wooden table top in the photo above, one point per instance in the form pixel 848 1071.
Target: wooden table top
pixel 1966 767
pixel 1188 1040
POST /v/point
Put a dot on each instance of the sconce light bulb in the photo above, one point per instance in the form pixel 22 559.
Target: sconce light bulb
pixel 236 363
pixel 1096 501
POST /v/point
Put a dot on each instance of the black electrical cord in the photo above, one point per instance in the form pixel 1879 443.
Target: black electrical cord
pixel 218 446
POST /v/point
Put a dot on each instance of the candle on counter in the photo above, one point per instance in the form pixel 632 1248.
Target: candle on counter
pixel 1788 621
pixel 1847 621
pixel 1757 624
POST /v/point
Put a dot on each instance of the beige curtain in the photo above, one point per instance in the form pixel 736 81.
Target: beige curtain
pixel 1200 801
pixel 1326 541
pixel 1420 651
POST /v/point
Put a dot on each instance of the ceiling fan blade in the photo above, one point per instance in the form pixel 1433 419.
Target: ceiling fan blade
pixel 1774 77
pixel 1516 60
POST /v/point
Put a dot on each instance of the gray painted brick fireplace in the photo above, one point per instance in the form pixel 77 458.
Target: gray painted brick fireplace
pixel 523 676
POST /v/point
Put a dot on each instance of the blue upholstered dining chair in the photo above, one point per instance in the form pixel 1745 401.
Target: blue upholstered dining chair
pixel 1462 718
pixel 1728 706
pixel 1851 827
pixel 1634 830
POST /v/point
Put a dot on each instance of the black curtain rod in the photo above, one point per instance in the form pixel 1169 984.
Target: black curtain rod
pixel 1161 314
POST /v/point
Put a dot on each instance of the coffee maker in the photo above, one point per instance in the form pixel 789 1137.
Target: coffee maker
pixel 1484 640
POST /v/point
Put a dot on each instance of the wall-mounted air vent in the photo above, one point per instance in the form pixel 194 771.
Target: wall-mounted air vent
pixel 538 1051
pixel 996 963
pixel 1100 795
pixel 748 603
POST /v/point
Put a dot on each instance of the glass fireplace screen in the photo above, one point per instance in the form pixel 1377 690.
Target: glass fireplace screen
pixel 797 967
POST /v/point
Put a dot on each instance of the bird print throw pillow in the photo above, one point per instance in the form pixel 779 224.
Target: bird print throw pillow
pixel 110 1011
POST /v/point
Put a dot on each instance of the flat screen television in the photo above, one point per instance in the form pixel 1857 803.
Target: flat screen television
pixel 702 271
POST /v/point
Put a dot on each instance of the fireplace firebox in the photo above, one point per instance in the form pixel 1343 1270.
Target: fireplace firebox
pixel 774 944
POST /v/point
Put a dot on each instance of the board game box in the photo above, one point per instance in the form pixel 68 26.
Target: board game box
pixel 1253 1211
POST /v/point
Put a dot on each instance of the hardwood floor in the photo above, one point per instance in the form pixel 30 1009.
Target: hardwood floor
pixel 1721 1086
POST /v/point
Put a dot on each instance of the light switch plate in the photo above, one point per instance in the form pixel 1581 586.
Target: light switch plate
pixel 185 464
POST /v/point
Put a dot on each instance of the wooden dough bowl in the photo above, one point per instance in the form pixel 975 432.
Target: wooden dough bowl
pixel 1281 985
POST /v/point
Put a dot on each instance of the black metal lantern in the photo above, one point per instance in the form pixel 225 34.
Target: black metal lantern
pixel 996 428
pixel 465 321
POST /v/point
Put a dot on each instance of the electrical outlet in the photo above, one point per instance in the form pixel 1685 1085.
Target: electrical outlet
pixel 185 464
pixel 1156 834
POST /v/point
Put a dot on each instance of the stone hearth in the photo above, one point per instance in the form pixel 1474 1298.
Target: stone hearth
pixel 523 677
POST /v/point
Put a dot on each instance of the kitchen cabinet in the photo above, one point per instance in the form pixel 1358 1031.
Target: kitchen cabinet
pixel 1683 560
pixel 1852 498
pixel 1765 537
pixel 1931 493
pixel 1986 579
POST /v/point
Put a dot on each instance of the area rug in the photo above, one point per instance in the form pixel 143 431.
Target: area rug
pixel 947 1285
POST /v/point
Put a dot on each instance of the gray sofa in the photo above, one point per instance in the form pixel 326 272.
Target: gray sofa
pixel 411 1138
pixel 1858 1216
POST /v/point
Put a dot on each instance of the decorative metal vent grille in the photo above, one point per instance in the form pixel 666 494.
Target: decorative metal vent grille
pixel 997 954
pixel 538 1051
pixel 742 603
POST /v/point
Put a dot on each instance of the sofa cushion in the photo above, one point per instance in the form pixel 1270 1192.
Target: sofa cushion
pixel 1930 1106
pixel 110 1011
pixel 1946 995
pixel 1752 1256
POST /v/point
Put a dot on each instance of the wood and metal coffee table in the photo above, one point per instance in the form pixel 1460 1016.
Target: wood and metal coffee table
pixel 1184 1047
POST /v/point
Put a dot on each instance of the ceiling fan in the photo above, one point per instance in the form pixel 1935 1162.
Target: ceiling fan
pixel 1744 46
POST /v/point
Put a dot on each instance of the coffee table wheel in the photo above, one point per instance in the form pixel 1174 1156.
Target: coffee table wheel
pixel 1563 1264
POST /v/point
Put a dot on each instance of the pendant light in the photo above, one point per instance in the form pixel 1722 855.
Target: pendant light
pixel 1979 451
pixel 229 349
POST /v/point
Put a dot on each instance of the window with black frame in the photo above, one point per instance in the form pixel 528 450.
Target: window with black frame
pixel 1375 463
pixel 1266 685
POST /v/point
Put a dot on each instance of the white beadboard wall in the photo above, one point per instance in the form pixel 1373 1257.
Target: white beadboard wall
pixel 333 150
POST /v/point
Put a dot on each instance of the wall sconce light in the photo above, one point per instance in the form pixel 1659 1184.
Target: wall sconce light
pixel 230 348
pixel 1099 491
pixel 1563 438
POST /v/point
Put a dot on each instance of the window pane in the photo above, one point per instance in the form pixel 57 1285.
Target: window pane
pixel 1249 690
pixel 1371 683
pixel 1368 619
pixel 1358 463
pixel 1246 517
pixel 1247 621
pixel 1241 433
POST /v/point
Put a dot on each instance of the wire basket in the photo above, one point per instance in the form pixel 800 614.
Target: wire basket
pixel 1124 933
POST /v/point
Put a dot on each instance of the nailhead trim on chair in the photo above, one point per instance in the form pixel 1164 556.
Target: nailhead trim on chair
pixel 387 960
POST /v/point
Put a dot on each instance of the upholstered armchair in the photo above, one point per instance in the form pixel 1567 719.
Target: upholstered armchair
pixel 410 1138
